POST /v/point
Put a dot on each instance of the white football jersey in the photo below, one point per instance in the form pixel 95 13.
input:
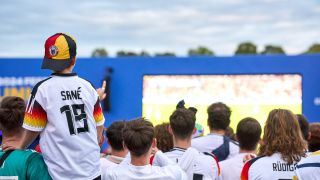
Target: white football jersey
pixel 234 165
pixel 66 110
pixel 166 170
pixel 309 168
pixel 211 142
pixel 195 163
pixel 268 167
pixel 109 162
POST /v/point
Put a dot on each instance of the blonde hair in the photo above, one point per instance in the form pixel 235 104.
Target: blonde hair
pixel 282 134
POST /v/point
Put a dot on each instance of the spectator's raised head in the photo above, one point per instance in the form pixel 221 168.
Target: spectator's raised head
pixel 182 123
pixel 115 136
pixel 304 126
pixel 164 138
pixel 11 114
pixel 218 116
pixel 282 135
pixel 314 141
pixel 138 136
pixel 248 133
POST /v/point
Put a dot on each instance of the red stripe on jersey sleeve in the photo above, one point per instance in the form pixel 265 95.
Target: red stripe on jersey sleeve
pixel 246 167
pixel 151 159
pixel 245 171
pixel 97 112
pixel 215 159
pixel 37 118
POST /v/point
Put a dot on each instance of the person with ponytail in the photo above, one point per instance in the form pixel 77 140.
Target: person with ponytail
pixel 20 164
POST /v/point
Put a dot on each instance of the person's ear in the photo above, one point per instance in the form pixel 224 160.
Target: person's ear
pixel 154 143
pixel 73 61
pixel 170 130
pixel 309 136
pixel 124 145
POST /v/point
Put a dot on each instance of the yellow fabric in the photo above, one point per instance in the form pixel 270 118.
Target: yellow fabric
pixel 315 153
pixel 63 48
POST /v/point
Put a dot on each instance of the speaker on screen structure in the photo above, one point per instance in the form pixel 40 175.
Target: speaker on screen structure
pixel 107 78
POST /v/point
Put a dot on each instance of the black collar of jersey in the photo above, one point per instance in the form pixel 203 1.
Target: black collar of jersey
pixel 177 149
pixel 64 75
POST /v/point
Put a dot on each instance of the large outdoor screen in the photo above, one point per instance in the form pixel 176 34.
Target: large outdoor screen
pixel 246 95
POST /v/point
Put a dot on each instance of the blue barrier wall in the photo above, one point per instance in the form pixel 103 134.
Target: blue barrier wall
pixel 126 84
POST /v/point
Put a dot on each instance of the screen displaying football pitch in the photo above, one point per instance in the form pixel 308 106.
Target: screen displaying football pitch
pixel 247 95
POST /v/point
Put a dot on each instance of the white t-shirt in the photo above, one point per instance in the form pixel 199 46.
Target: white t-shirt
pixel 267 167
pixel 166 171
pixel 66 110
pixel 211 142
pixel 195 163
pixel 234 165
pixel 309 168
pixel 109 162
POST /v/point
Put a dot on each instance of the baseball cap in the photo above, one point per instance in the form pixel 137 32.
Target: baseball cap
pixel 59 51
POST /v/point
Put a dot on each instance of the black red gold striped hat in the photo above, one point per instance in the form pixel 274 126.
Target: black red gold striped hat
pixel 59 51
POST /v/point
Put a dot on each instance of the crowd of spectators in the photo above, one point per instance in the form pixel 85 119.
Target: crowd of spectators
pixel 137 150
pixel 65 111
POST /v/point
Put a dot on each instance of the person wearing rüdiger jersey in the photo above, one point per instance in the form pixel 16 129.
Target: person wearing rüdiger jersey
pixel 65 110
pixel 281 148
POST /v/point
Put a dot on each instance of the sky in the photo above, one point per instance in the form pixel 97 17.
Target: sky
pixel 158 26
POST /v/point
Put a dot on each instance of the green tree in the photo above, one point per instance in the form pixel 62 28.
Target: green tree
pixel 315 48
pixel 144 53
pixel 126 53
pixel 99 52
pixel 246 48
pixel 200 51
pixel 270 49
pixel 165 54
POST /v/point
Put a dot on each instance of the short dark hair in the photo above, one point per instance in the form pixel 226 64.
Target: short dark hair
pixel 304 126
pixel 164 138
pixel 182 122
pixel 138 135
pixel 218 116
pixel 314 141
pixel 248 133
pixel 114 135
pixel 11 113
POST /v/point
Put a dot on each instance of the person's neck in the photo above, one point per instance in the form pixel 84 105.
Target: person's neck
pixel 65 71
pixel 141 160
pixel 16 137
pixel 184 144
pixel 218 131
pixel 247 151
pixel 119 153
